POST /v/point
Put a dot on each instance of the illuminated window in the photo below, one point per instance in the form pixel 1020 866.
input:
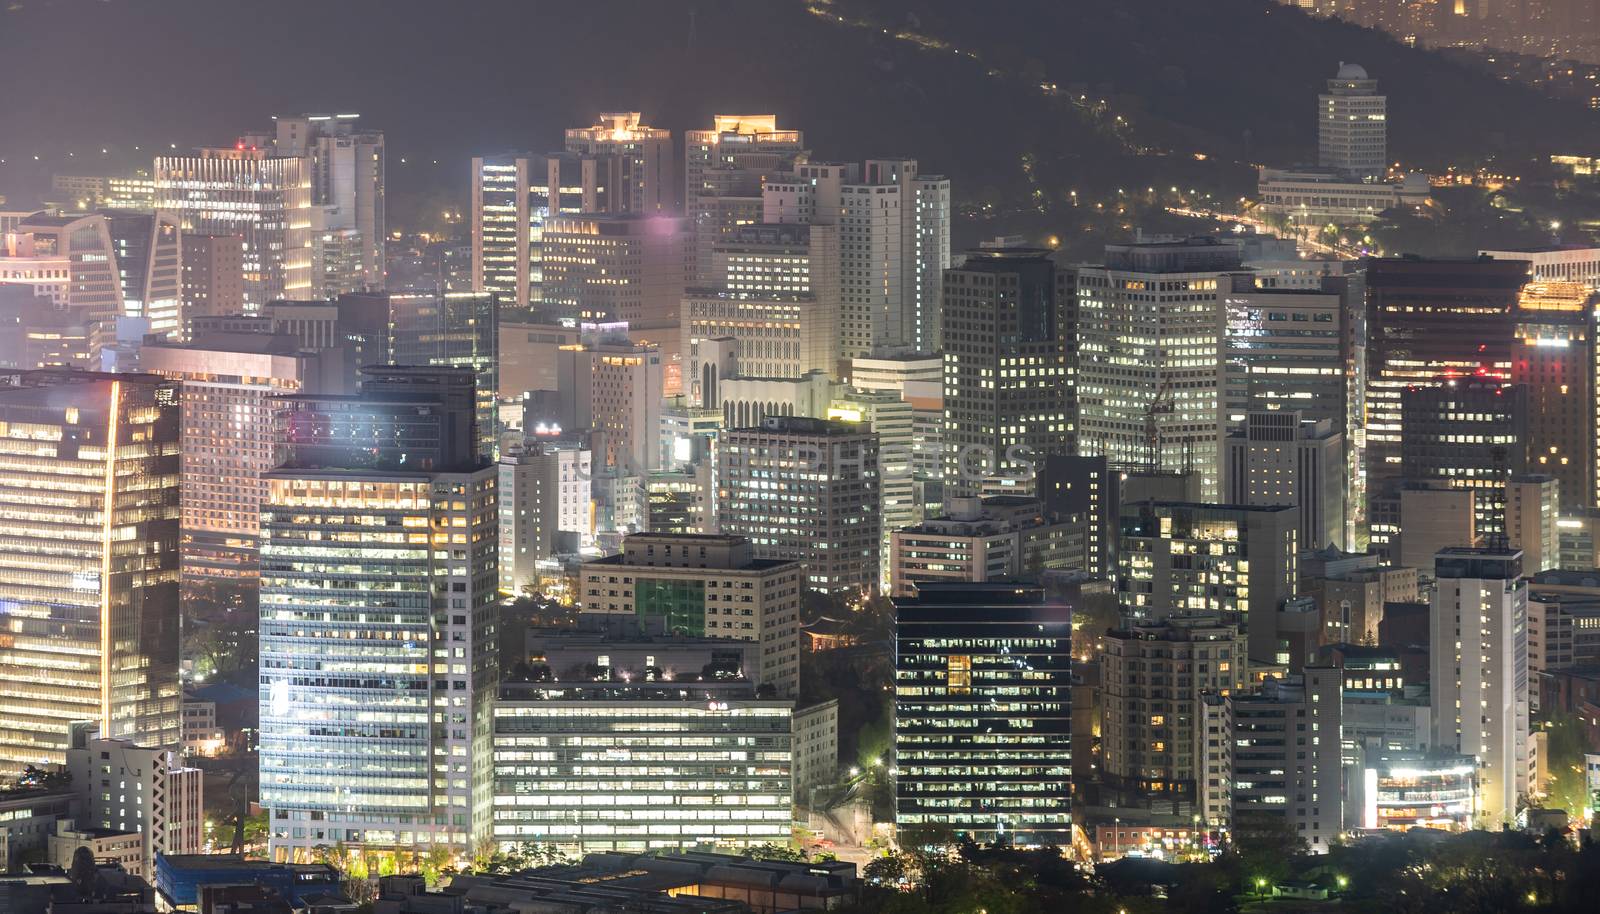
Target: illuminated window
pixel 958 671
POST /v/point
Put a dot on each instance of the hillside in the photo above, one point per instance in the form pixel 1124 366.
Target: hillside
pixel 953 82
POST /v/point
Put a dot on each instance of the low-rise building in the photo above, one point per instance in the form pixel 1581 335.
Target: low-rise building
pixel 705 586
pixel 634 757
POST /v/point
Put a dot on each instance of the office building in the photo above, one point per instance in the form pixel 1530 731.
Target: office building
pixel 893 420
pixel 646 174
pixel 1556 264
pixel 1307 197
pixel 129 788
pixel 1466 434
pixel 1288 349
pixel 226 400
pixel 1149 324
pixel 1090 490
pixel 528 347
pixel 1352 125
pixel 613 267
pixel 345 164
pixel 72 261
pixel 805 490
pixel 1008 381
pixel 668 750
pixel 377 632
pixel 1279 458
pixel 894 243
pixel 983 713
pixel 613 388
pixel 148 251
pixel 544 490
pixel 89 500
pixel 514 196
pixel 745 401
pixel 1553 357
pixel 981 540
pixel 1236 560
pixel 1352 601
pixel 1478 672
pixel 1287 759
pixel 1428 320
pixel 213 274
pixel 774 291
pixel 724 170
pixel 1532 506
pixel 459 329
pixel 1153 737
pixel 705 586
pixel 263 198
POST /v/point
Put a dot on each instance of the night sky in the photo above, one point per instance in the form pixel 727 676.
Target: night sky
pixel 442 79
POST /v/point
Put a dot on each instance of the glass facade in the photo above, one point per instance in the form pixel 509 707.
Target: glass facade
pixel 377 666
pixel 601 767
pixel 681 603
pixel 983 713
pixel 88 562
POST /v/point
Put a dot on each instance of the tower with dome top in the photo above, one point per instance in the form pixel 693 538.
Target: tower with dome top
pixel 1352 124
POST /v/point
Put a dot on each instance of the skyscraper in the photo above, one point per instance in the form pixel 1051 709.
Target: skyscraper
pixel 1235 560
pixel 724 169
pixel 605 267
pixel 228 385
pixel 1286 754
pixel 1280 459
pixel 983 713
pixel 345 164
pixel 1553 356
pixel 544 491
pixel 213 275
pixel 261 197
pixel 894 242
pixel 1478 671
pixel 805 490
pixel 1352 125
pixel 460 329
pixel 1008 386
pixel 89 562
pixel 148 258
pixel 611 388
pixel 774 291
pixel 513 197
pixel 1469 433
pixel 1153 739
pixel 1150 325
pixel 645 156
pixel 1428 320
pixel 378 617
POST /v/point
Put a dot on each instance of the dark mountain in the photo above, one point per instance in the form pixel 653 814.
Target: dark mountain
pixel 956 83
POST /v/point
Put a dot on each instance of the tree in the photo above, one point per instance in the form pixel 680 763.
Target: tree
pixel 434 865
pixel 84 873
pixel 890 869
pixel 1263 844
pixel 1568 787
pixel 770 851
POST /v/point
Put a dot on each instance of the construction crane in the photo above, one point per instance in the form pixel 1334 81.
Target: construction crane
pixel 1160 405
